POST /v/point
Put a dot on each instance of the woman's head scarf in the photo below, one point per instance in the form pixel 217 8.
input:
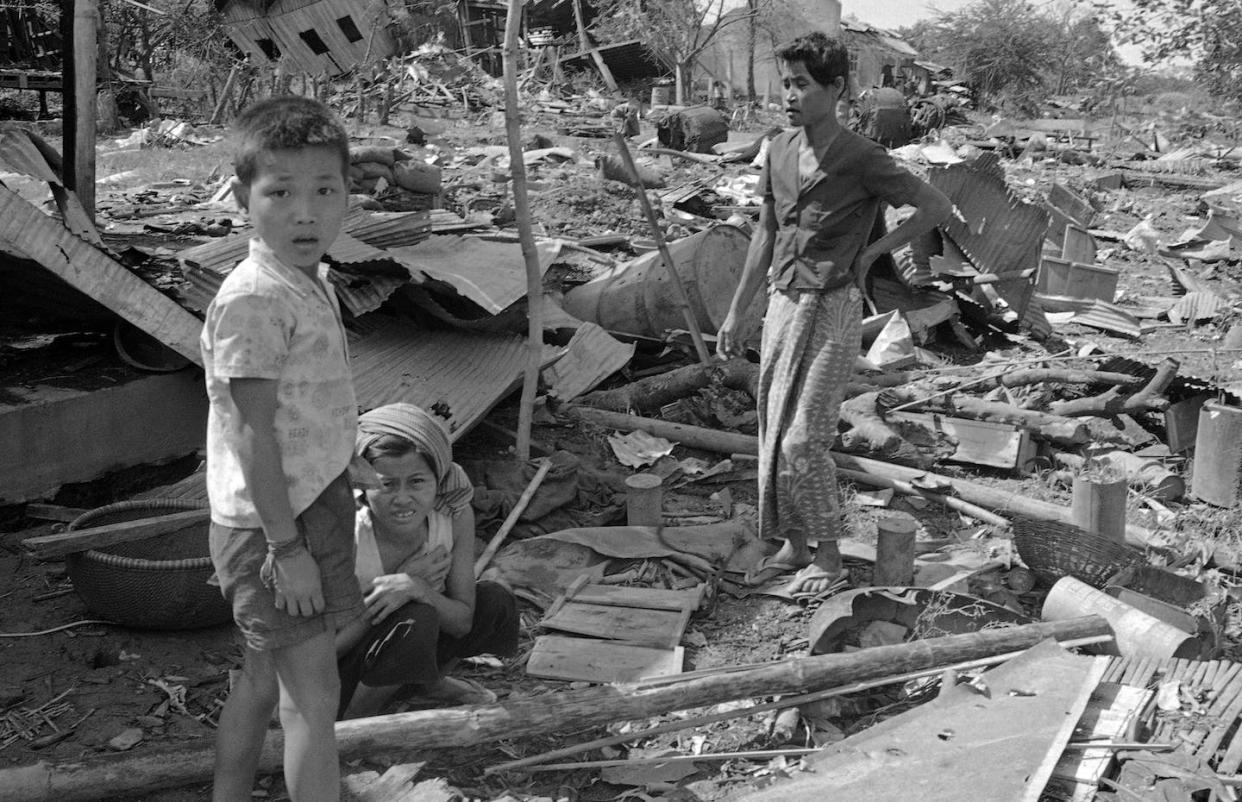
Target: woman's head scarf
pixel 429 437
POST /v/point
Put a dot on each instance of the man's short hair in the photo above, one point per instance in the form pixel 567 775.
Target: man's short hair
pixel 288 122
pixel 825 56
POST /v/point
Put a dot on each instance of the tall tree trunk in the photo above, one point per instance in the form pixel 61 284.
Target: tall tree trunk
pixel 752 40
pixel 685 88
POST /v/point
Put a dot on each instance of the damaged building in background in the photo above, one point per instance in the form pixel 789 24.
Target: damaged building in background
pixel 320 37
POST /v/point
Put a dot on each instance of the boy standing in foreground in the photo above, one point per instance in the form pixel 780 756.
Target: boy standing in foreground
pixel 820 230
pixel 280 435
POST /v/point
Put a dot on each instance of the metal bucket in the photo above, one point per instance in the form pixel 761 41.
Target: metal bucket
pixel 638 297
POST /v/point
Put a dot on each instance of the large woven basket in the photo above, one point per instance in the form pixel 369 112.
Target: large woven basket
pixel 1054 550
pixel 159 582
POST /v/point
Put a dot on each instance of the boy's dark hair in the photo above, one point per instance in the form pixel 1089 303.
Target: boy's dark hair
pixel 288 122
pixel 825 56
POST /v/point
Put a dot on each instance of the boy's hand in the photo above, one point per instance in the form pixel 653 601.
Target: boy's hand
pixel 297 584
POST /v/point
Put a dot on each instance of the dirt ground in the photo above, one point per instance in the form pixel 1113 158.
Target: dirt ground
pixel 95 686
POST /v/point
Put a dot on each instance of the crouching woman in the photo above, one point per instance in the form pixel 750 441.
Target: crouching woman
pixel 415 563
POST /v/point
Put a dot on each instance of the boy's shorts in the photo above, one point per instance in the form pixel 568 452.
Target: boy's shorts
pixel 238 554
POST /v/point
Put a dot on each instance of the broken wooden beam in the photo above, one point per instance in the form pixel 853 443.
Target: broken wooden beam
pixel 103 776
pixel 733 443
pixel 1059 429
pixel 650 393
pixel 1116 401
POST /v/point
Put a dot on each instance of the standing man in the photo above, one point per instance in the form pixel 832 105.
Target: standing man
pixel 820 230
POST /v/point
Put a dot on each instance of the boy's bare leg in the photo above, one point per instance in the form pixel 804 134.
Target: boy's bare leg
pixel 310 690
pixel 243 725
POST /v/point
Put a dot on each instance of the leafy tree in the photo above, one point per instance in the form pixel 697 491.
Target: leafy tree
pixel 1012 52
pixel 1209 32
pixel 675 31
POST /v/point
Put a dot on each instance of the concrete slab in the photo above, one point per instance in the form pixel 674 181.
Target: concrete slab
pixel 52 436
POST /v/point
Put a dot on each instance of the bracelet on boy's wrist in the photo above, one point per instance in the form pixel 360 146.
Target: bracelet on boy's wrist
pixel 286 548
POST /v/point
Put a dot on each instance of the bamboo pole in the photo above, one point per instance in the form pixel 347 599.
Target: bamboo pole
pixel 107 777
pixel 683 299
pixel 521 208
pixel 784 703
pixel 512 519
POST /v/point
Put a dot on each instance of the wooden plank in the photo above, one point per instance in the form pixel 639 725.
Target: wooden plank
pixel 631 625
pixel 583 659
pixel 1078 245
pixel 999 445
pixel 99 536
pixel 29 233
pixel 1109 715
pixel 649 598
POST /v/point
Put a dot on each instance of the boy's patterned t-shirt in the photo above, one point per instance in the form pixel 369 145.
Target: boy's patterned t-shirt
pixel 272 321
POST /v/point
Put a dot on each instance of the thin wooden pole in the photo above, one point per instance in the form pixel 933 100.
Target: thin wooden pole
pixel 85 51
pixel 683 299
pixel 512 519
pixel 784 703
pixel 521 208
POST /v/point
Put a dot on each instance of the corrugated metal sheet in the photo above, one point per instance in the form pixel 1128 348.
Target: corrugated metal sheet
pixel 491 274
pixel 592 355
pixel 1196 306
pixel 28 233
pixel 366 275
pixel 461 376
pixel 392 229
pixel 20 154
pixel 1108 317
pixel 1001 234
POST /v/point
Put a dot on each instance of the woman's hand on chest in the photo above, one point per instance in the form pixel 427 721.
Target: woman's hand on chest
pixel 392 591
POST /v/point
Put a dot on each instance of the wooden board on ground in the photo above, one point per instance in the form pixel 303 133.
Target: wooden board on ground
pixel 590 660
pixel 629 625
pixel 641 616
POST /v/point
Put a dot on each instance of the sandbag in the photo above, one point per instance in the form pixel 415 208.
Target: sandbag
pixel 417 176
pixel 387 156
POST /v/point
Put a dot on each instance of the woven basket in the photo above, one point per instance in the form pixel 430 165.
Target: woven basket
pixel 159 582
pixel 1054 550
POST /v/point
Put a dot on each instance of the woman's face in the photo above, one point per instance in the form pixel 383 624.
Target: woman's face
pixel 406 493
